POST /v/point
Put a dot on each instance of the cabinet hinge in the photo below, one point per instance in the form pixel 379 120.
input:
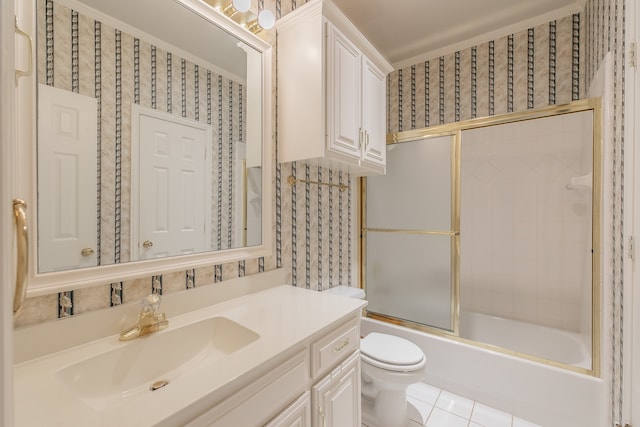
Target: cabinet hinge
pixel 633 55
pixel 632 248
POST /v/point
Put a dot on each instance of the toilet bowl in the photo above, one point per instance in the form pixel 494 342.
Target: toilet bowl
pixel 389 365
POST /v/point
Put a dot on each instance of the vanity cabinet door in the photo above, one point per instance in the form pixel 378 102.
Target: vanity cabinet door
pixel 345 131
pixel 336 397
pixel 298 414
pixel 374 149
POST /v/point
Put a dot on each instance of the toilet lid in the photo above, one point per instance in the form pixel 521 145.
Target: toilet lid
pixel 391 350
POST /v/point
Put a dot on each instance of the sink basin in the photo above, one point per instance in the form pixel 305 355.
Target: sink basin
pixel 104 380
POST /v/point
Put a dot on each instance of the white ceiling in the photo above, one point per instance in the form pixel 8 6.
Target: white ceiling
pixel 410 31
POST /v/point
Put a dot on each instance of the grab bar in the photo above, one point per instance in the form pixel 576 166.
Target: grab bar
pixel 19 212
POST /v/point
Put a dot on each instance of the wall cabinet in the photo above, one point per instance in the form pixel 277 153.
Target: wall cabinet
pixel 331 92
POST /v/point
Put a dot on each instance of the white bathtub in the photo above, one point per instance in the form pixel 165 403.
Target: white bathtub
pixel 546 395
pixel 540 341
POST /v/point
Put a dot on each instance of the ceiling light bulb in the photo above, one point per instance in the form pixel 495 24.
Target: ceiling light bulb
pixel 241 5
pixel 266 20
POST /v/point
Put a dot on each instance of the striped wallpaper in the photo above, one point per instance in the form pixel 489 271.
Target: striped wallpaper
pixel 533 68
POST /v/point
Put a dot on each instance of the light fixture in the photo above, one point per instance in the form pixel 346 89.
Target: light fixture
pixel 265 21
pixel 236 6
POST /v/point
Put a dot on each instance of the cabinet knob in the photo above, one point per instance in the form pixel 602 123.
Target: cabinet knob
pixel 85 252
pixel 147 244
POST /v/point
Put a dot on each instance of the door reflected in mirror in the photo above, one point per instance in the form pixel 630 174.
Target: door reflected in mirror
pixel 149 134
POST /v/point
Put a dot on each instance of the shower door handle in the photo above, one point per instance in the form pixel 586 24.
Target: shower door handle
pixel 20 216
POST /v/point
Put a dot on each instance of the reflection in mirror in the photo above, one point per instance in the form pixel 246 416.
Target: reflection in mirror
pixel 149 134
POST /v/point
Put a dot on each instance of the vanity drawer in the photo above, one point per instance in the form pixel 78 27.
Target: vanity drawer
pixel 334 347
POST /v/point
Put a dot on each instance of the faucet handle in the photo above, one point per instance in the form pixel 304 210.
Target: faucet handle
pixel 150 304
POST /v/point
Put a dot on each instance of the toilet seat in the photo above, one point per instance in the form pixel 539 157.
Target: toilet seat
pixel 391 353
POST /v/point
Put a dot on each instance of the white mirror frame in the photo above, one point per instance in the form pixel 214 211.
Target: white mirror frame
pixel 26 182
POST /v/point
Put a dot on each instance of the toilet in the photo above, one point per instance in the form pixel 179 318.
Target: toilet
pixel 389 365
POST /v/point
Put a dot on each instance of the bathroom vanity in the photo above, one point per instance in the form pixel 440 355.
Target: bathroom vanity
pixel 277 357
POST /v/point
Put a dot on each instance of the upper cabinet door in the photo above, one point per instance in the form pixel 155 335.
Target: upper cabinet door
pixel 373 113
pixel 344 63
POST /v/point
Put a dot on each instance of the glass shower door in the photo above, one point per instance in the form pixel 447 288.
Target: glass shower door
pixel 410 232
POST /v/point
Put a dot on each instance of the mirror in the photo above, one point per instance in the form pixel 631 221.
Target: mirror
pixel 149 134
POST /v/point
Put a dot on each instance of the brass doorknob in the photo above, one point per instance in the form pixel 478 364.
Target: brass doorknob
pixel 87 252
pixel 147 244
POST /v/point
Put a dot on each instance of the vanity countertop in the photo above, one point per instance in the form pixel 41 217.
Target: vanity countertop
pixel 284 317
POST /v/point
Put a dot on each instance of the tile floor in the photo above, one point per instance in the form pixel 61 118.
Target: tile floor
pixel 439 408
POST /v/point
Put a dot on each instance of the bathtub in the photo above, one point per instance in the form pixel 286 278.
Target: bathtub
pixel 522 337
pixel 540 393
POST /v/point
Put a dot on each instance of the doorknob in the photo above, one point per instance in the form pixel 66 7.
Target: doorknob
pixel 87 252
pixel 147 244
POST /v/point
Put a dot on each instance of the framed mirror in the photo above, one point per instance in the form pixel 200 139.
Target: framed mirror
pixel 152 145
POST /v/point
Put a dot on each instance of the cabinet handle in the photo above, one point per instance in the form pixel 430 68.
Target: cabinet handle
pixel 366 139
pixel 343 344
pixel 20 215
pixel 360 138
pixel 23 73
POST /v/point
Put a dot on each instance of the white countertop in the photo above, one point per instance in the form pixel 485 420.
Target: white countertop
pixel 283 316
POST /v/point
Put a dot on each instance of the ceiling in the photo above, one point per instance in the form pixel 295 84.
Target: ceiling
pixel 410 31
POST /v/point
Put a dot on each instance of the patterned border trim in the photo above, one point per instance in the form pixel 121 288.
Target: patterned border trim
pixel 340 233
pixel 575 58
pixel 169 84
pixel 307 225
pixel 261 264
pixel 530 67
pixel 183 86
pixel 457 86
pixel 230 172
pixel 219 166
pixel 75 67
pixel 294 230
pixel 196 92
pixel 242 269
pixel 190 278
pixel 97 42
pixel 349 238
pixel 116 294
pixel 413 97
pixel 400 90
pixel 331 236
pixel 118 177
pixel 492 76
pixel 49 42
pixel 441 100
pixel 320 230
pixel 510 54
pixel 552 62
pixel 474 82
pixel 217 273
pixel 427 110
pixel 156 284
pixel 136 71
pixel 154 78
pixel 65 304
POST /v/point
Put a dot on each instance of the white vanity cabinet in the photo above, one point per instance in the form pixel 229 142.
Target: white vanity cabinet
pixel 318 386
pixel 331 92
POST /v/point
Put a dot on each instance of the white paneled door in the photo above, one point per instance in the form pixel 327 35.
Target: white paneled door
pixel 67 127
pixel 174 189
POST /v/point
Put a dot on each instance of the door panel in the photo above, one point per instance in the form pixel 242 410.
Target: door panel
pixel 66 179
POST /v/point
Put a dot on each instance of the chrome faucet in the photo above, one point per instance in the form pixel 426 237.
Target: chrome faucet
pixel 149 319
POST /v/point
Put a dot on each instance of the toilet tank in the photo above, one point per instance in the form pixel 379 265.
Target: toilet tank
pixel 346 291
